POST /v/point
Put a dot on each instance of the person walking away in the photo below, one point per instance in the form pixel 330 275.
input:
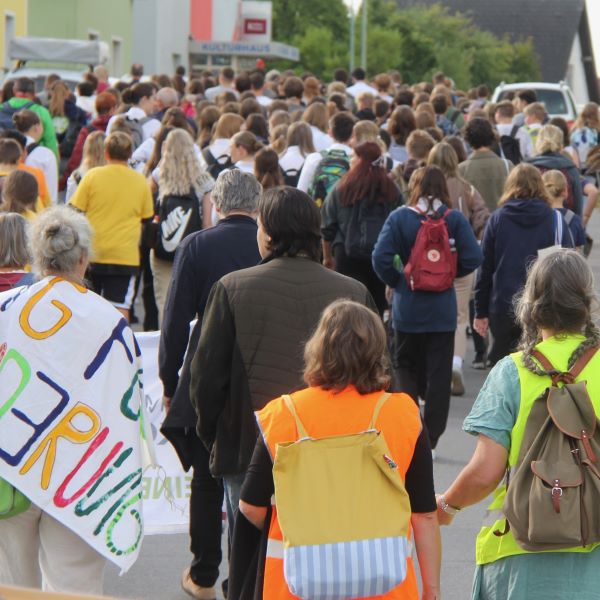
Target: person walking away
pixel 585 134
pixel 116 200
pixel 353 215
pixel 93 156
pixel 29 124
pixel 202 259
pixel 483 168
pixel 105 104
pixel 549 156
pixel 347 371
pixel 299 146
pixel 24 98
pixel 183 206
pixel 20 194
pixel 424 321
pixel 255 323
pixel 465 198
pixel 556 186
pixel 523 225
pixel 14 252
pixel 555 314
pixel 242 149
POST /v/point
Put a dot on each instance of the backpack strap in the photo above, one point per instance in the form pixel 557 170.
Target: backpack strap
pixel 513 131
pixel 571 375
pixel 378 406
pixel 290 406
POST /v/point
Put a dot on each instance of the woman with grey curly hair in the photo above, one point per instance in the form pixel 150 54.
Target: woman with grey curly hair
pixel 182 206
pixel 556 313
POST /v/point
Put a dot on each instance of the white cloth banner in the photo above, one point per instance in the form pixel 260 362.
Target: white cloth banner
pixel 166 492
pixel 72 423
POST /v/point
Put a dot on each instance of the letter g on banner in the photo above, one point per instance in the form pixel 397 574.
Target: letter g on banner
pixel 32 302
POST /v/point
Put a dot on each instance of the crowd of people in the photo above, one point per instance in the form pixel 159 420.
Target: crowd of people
pixel 275 209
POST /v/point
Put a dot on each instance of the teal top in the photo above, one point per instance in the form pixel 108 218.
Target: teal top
pixel 526 576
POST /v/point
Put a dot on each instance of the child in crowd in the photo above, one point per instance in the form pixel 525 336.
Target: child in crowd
pixel 20 194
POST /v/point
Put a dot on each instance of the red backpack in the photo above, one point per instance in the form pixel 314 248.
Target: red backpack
pixel 432 263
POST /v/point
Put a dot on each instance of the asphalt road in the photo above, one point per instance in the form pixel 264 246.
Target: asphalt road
pixel 157 573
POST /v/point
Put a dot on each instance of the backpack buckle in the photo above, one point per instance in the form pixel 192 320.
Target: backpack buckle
pixel 557 493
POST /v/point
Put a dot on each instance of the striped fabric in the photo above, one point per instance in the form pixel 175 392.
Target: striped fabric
pixel 357 569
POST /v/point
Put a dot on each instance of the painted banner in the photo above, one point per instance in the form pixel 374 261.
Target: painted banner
pixel 166 491
pixel 72 425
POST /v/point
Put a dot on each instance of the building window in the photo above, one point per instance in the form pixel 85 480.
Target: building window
pixel 9 34
pixel 117 56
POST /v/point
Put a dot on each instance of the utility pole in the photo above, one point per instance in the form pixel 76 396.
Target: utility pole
pixel 352 35
pixel 363 37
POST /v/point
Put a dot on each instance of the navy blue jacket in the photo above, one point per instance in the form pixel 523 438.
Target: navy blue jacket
pixel 511 240
pixel 201 260
pixel 421 312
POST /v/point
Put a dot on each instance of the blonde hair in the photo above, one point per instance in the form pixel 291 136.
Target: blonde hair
pixel 279 117
pixel 444 156
pixel 525 183
pixel 59 92
pixel 549 139
pixel 367 131
pixel 588 117
pixel 348 348
pixel 14 241
pixel 179 170
pixel 278 138
pixel 535 110
pixel 93 152
pixel 555 182
pixel 316 115
pixel 338 87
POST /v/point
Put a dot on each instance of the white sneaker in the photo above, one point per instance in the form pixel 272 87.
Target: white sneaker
pixel 458 385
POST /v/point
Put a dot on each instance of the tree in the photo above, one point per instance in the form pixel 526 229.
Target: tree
pixel 417 41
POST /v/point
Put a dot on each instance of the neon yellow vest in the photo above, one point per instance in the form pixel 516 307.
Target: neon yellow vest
pixel 489 547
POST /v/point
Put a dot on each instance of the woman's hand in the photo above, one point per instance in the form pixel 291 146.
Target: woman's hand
pixel 481 326
pixel 443 517
pixel 329 262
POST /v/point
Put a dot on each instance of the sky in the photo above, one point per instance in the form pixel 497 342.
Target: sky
pixel 593 7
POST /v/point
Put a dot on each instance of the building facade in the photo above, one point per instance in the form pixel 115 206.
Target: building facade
pixel 14 23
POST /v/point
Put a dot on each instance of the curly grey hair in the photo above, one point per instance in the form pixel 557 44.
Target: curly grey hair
pixel 559 295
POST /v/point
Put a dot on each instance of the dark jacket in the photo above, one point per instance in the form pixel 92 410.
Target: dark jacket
pixel 418 311
pixel 555 160
pixel 513 235
pixel 251 345
pixel 201 260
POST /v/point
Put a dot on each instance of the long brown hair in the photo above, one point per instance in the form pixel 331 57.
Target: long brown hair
pixel 59 92
pixel 525 183
pixel 367 179
pixel 266 168
pixel 429 183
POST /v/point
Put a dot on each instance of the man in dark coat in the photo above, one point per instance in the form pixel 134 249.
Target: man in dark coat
pixel 201 260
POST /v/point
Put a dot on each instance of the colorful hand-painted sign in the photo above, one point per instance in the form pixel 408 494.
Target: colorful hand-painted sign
pixel 72 426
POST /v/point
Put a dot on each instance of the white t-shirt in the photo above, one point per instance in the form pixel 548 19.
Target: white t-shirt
pixel 321 141
pixel 220 147
pixel 359 87
pixel 524 139
pixel 45 159
pixel 312 162
pixel 135 113
pixel 292 159
pixel 247 165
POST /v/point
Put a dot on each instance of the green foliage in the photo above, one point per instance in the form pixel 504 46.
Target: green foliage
pixel 417 41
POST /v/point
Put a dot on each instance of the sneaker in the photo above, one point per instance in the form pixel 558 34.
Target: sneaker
pixel 479 362
pixel 194 590
pixel 458 385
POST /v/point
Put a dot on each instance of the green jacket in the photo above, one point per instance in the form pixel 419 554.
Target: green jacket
pixel 48 138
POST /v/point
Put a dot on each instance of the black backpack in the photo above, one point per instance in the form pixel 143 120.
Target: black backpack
pixel 216 165
pixel 6 114
pixel 365 223
pixel 178 216
pixel 509 147
pixel 291 177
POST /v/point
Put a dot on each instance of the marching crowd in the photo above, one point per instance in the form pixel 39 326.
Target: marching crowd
pixel 332 241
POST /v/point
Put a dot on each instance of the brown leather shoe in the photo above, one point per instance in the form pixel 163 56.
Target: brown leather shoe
pixel 196 591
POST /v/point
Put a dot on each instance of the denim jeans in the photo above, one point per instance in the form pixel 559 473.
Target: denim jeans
pixel 233 489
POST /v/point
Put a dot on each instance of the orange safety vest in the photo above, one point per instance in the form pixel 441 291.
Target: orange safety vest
pixel 326 413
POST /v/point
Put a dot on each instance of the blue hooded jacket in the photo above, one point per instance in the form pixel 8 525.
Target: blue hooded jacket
pixel 511 240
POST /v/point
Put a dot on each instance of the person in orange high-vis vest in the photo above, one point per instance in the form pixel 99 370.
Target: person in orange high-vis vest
pixel 347 371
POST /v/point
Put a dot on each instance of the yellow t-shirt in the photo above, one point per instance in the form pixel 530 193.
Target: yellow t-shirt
pixel 115 199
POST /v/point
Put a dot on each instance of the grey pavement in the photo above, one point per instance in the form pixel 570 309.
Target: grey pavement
pixel 156 575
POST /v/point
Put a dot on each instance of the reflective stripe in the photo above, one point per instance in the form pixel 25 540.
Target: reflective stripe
pixel 275 549
pixel 491 516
